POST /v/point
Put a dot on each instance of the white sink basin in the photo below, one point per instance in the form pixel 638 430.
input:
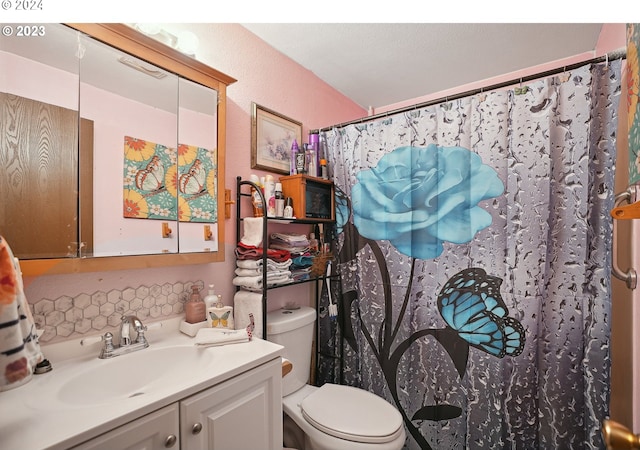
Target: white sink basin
pixel 131 375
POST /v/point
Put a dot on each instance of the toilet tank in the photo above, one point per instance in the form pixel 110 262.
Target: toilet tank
pixel 293 329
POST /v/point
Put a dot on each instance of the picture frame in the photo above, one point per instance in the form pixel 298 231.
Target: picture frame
pixel 271 137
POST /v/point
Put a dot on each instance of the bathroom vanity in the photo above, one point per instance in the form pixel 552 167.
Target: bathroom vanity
pixel 172 394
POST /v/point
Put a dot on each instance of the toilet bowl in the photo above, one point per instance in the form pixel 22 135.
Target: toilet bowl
pixel 331 416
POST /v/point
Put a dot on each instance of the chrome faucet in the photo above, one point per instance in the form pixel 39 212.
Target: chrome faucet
pixel 109 350
pixel 125 329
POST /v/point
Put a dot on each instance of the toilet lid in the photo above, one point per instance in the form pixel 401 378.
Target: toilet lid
pixel 351 413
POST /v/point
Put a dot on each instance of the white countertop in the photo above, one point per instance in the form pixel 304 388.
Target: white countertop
pixel 32 416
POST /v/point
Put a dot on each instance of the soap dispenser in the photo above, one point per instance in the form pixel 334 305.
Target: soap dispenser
pixel 195 307
pixel 210 299
pixel 220 316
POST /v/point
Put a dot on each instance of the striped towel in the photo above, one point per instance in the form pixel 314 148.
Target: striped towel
pixel 19 347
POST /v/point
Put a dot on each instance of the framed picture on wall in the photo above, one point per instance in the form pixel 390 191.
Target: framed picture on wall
pixel 271 137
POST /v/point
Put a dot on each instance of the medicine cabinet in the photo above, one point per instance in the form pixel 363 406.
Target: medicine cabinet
pixel 112 151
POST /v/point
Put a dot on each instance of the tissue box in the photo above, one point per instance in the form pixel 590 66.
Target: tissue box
pixel 191 329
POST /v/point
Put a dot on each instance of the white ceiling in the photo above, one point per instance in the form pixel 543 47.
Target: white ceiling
pixel 382 64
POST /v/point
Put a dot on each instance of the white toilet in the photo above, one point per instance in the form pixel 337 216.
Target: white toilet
pixel 332 416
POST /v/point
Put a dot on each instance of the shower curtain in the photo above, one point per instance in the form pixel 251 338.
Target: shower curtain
pixel 473 248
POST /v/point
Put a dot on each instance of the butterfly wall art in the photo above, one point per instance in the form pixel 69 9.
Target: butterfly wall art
pixel 156 175
pixel 149 187
pixel 197 184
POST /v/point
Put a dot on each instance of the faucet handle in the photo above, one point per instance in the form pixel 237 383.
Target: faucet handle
pixel 107 348
pixel 141 339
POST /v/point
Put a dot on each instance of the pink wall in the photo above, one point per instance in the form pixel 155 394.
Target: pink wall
pixel 270 79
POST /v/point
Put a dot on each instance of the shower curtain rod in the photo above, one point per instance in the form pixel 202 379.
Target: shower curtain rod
pixel 616 54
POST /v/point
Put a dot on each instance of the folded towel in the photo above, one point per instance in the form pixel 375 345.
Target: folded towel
pixel 208 337
pixel 258 272
pixel 252 231
pixel 255 282
pixel 295 243
pixel 302 261
pixel 244 251
pixel 257 264
pixel 291 238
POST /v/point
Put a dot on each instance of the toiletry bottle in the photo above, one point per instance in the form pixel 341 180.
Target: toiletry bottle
pixel 294 155
pixel 312 162
pixel 279 200
pixel 220 316
pixel 211 299
pixel 307 157
pixel 288 208
pixel 256 201
pixel 270 195
pixel 195 308
pixel 313 244
pixel 314 141
pixel 323 169
pixel 300 161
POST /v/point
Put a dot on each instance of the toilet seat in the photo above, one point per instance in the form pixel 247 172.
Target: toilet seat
pixel 352 414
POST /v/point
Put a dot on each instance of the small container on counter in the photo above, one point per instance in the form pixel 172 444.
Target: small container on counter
pixel 195 309
pixel 220 316
pixel 211 298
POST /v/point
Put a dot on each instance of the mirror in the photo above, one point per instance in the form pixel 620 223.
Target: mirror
pixel 170 165
pixel 39 144
pixel 197 167
pixel 133 106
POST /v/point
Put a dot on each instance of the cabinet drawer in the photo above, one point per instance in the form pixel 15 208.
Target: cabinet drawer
pixel 155 431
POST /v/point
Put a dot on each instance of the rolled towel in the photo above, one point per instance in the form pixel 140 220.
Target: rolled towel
pixel 252 231
pixel 244 304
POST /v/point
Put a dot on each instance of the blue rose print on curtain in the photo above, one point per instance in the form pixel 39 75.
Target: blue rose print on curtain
pixel 418 198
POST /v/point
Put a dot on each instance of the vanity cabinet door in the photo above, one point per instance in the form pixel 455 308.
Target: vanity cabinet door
pixel 242 413
pixel 155 431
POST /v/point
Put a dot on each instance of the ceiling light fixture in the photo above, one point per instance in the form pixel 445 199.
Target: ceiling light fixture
pixel 185 42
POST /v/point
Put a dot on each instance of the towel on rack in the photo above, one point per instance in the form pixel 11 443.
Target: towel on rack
pixel 293 242
pixel 257 264
pixel 19 347
pixel 252 231
pixel 246 303
pixel 244 251
pixel 255 282
pixel 271 273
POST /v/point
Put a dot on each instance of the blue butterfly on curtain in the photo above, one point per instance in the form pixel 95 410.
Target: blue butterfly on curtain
pixel 470 303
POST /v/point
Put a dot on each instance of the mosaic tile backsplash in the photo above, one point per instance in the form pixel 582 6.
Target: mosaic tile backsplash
pixel 85 314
